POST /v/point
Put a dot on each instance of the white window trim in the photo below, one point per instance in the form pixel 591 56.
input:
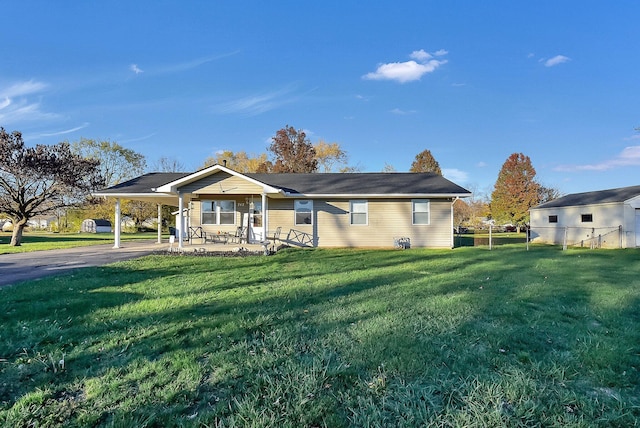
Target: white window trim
pixel 366 212
pixel 413 212
pixel 295 212
pixel 217 211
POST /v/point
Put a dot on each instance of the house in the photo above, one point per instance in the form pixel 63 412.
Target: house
pixel 41 222
pixel 316 210
pixel 92 225
pixel 606 218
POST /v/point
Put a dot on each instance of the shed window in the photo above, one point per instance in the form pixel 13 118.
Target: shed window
pixel 359 212
pixel 303 212
pixel 420 208
pixel 218 212
pixel 587 218
pixel 553 219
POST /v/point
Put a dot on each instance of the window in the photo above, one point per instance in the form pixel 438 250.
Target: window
pixel 359 211
pixel 218 212
pixel 587 218
pixel 303 212
pixel 553 219
pixel 420 209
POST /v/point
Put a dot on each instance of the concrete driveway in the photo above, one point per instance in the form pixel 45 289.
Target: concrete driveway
pixel 37 264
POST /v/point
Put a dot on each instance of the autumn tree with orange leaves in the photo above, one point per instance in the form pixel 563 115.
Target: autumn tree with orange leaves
pixel 516 191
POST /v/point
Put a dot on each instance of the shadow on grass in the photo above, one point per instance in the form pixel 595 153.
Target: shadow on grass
pixel 373 319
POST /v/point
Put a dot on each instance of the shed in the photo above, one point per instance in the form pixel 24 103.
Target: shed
pixel 92 225
pixel 604 218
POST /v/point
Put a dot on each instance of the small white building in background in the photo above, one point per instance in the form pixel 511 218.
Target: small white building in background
pixel 92 225
pixel 605 218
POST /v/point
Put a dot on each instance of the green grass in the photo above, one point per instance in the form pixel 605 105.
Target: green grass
pixel 334 338
pixel 38 241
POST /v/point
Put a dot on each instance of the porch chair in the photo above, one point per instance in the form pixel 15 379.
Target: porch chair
pixel 240 235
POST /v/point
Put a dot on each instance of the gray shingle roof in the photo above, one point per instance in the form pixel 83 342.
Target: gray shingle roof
pixel 318 183
pixel 361 183
pixel 145 183
pixel 620 194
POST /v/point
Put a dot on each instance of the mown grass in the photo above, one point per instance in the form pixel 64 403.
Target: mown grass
pixel 333 338
pixel 39 241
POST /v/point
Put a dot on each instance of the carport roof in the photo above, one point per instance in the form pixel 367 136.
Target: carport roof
pixel 620 194
pixel 145 184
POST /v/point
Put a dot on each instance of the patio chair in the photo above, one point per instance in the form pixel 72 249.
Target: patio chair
pixel 240 235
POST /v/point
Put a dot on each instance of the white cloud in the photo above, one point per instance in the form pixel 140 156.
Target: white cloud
pixel 630 156
pixel 441 52
pixel 136 69
pixel 482 164
pixel 402 112
pixel 16 106
pixel 408 71
pixel 558 59
pixel 257 104
pixel 66 131
pixel 455 175
pixel 420 55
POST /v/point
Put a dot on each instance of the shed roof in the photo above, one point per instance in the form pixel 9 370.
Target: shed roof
pixel 620 194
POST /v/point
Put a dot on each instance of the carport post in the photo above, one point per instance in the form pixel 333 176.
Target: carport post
pixel 159 223
pixel 180 224
pixel 116 230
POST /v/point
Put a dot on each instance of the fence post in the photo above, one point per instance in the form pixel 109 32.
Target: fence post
pixel 564 243
pixel 527 238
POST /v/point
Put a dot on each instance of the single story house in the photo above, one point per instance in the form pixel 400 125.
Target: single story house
pixel 316 210
pixel 605 218
pixel 94 225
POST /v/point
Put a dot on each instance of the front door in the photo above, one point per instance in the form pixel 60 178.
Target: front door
pixel 256 226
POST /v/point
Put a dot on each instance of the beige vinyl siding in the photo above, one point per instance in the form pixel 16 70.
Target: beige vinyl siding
pixel 222 183
pixel 387 219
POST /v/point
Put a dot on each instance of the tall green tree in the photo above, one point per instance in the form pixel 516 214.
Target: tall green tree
pixel 516 190
pixel 117 163
pixel 425 162
pixel 41 179
pixel 292 151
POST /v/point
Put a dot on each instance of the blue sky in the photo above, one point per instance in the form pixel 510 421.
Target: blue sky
pixel 471 81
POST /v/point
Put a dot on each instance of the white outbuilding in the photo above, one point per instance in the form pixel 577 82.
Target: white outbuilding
pixel 605 218
pixel 92 225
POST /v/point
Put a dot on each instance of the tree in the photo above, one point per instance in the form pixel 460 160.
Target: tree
pixel 388 168
pixel 165 164
pixel 117 163
pixel 238 161
pixel 41 179
pixel 293 152
pixel 515 190
pixel 425 162
pixel 547 194
pixel 330 156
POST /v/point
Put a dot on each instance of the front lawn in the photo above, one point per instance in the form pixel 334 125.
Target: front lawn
pixel 335 338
